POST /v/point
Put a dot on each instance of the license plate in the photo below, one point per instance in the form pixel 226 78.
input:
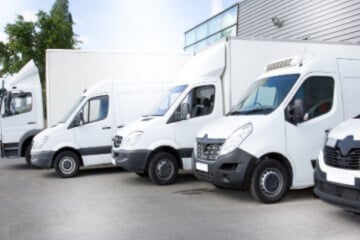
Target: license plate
pixel 202 167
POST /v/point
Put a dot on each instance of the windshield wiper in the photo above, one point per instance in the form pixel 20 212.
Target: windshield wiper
pixel 234 113
pixel 257 110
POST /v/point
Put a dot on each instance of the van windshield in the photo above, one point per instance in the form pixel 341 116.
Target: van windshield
pixel 72 109
pixel 265 95
pixel 167 101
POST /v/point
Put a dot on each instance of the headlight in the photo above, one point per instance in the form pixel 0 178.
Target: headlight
pixel 40 142
pixel 236 138
pixel 132 138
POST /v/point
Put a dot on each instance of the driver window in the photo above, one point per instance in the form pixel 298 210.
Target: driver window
pixel 316 96
pixel 199 102
pixel 95 109
pixel 18 103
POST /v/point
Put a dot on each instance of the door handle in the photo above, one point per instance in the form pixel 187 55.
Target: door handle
pixel 30 123
pixel 105 128
pixel 121 126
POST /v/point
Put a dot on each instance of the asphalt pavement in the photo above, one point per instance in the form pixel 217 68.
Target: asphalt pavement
pixel 110 203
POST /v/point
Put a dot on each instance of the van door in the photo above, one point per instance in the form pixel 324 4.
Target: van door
pixel 320 110
pixel 18 117
pixel 195 110
pixel 93 136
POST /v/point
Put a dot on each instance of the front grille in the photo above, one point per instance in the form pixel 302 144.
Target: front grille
pixel 334 158
pixel 208 151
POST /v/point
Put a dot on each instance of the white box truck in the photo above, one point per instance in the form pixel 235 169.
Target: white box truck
pixel 21 112
pixel 83 136
pixel 161 143
pixel 268 140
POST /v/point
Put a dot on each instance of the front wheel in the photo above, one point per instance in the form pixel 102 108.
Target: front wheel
pixel 269 181
pixel 67 164
pixel 163 168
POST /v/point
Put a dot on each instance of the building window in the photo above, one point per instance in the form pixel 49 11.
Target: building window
pixel 212 30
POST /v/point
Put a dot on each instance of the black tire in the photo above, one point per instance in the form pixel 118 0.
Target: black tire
pixel 28 154
pixel 67 164
pixel 269 181
pixel 144 174
pixel 163 168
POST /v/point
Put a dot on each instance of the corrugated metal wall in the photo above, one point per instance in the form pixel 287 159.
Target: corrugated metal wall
pixel 318 20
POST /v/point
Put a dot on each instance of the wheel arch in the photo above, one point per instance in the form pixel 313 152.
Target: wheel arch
pixel 25 140
pixel 167 149
pixel 283 160
pixel 67 149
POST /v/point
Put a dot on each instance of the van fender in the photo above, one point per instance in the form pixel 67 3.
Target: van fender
pixel 163 142
pixel 66 144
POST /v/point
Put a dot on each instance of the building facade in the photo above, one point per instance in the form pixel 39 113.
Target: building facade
pixel 317 20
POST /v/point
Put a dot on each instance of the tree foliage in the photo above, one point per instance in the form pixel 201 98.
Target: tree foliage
pixel 29 40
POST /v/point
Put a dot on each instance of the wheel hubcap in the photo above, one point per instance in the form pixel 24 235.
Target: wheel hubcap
pixel 164 169
pixel 67 165
pixel 271 182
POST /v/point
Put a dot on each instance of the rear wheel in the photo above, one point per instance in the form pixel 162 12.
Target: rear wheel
pixel 67 164
pixel 269 182
pixel 163 168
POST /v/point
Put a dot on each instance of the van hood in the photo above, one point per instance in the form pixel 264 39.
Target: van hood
pixel 350 127
pixel 140 125
pixel 50 131
pixel 225 126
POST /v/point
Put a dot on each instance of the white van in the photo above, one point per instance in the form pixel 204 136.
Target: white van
pixel 211 83
pixel 267 141
pixel 21 112
pixel 83 137
pixel 337 173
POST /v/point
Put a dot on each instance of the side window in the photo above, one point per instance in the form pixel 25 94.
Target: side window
pixel 315 97
pixel 18 103
pixel 199 102
pixel 95 109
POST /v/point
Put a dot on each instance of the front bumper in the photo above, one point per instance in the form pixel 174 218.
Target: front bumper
pixel 343 196
pixel 42 159
pixel 131 160
pixel 232 170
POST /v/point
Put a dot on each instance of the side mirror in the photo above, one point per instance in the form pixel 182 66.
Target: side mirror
pixel 295 112
pixel 184 111
pixel 298 110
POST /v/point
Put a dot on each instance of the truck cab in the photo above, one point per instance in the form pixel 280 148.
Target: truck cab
pixel 21 112
pixel 267 142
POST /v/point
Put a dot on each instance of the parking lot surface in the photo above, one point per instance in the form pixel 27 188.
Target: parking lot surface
pixel 112 204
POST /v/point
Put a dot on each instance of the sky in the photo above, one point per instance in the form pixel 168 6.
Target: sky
pixel 123 25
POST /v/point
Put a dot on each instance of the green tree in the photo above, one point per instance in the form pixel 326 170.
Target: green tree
pixel 29 40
